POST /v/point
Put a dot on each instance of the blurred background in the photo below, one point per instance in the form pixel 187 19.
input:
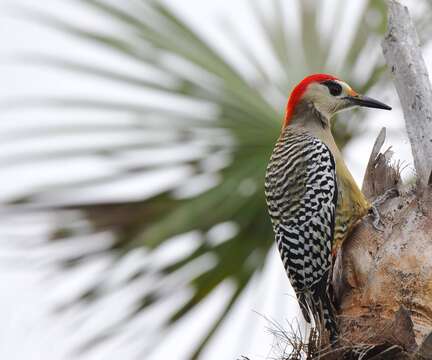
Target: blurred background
pixel 134 137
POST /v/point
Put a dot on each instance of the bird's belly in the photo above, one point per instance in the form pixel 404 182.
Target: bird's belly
pixel 351 207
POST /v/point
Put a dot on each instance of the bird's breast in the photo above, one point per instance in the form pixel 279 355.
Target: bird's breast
pixel 352 205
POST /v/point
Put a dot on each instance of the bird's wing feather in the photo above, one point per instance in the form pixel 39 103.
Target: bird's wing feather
pixel 301 191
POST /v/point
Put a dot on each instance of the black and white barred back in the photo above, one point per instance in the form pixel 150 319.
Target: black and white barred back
pixel 301 193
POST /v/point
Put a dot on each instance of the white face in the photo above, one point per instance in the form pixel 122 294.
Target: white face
pixel 330 97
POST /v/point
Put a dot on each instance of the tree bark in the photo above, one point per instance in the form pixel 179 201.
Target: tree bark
pixel 383 280
pixel 401 48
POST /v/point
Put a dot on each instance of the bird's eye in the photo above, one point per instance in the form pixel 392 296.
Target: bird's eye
pixel 334 88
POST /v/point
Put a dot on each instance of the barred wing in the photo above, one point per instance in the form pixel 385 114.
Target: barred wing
pixel 301 192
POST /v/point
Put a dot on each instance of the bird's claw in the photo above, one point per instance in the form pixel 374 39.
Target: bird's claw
pixel 374 212
pixel 390 193
pixel 376 222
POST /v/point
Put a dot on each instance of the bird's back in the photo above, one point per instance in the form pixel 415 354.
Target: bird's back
pixel 301 193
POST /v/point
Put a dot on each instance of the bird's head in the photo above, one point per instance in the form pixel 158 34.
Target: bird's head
pixel 328 95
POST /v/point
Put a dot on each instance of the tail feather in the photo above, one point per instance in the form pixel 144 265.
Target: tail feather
pixel 328 316
pixel 316 304
pixel 304 307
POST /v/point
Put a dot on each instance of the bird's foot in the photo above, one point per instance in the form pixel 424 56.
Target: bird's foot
pixel 376 222
pixel 374 212
pixel 390 193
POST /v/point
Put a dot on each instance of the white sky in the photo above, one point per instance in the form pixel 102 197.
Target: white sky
pixel 28 291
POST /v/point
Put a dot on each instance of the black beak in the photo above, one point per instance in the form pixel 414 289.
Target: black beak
pixel 366 101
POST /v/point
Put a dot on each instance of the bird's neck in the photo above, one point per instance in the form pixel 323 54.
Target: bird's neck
pixel 308 118
pixel 307 115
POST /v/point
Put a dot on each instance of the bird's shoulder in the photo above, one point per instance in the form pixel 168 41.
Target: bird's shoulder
pixel 301 173
pixel 298 151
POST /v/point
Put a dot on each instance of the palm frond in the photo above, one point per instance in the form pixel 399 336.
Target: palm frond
pixel 220 137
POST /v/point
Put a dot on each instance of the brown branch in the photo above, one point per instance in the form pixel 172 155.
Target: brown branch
pixel 403 55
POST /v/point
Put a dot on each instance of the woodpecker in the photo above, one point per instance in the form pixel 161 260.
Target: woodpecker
pixel 312 198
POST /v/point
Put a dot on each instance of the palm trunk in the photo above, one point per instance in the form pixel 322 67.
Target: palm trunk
pixel 383 280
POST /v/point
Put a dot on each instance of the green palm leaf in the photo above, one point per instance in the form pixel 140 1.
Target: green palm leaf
pixel 228 140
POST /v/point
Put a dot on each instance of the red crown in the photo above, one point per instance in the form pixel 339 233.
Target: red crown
pixel 299 90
